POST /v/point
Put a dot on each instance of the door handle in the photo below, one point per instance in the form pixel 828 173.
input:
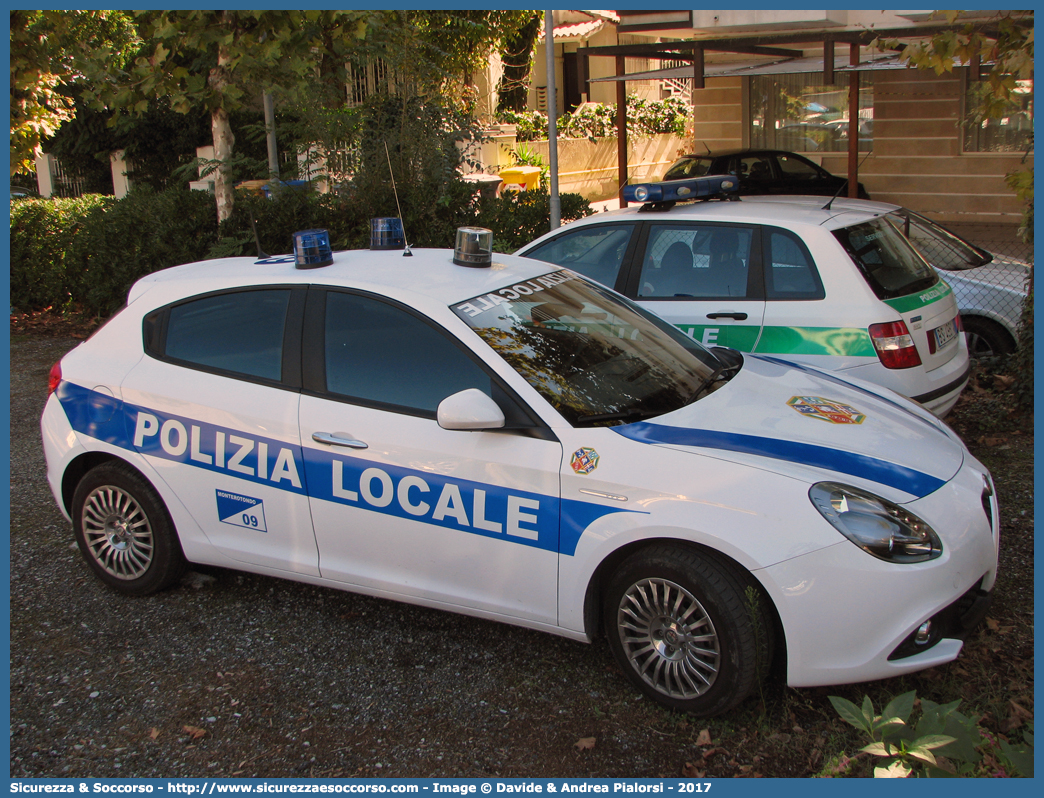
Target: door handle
pixel 728 314
pixel 335 439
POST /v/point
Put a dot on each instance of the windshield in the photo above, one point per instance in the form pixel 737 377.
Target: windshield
pixel 690 166
pixel 597 358
pixel 888 262
pixel 940 247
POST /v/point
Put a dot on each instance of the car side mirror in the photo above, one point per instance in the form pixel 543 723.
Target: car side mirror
pixel 470 409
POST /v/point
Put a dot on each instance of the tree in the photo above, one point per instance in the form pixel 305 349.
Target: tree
pixel 517 54
pixel 1005 41
pixel 50 50
pixel 222 61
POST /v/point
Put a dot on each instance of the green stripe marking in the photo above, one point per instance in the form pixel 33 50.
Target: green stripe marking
pixel 833 341
pixel 830 341
pixel 905 304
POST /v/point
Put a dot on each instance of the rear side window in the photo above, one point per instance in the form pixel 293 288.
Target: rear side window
pixel 790 273
pixel 797 169
pixel 595 252
pixel 238 333
pixel 886 260
pixel 755 169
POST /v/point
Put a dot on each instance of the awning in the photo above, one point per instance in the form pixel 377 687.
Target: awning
pixel 782 66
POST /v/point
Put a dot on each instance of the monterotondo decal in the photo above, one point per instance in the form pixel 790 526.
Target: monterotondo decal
pixel 826 410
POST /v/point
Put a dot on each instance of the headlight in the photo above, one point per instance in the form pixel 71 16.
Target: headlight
pixel 876 525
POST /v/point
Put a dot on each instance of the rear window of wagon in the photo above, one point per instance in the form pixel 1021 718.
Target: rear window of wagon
pixel 887 261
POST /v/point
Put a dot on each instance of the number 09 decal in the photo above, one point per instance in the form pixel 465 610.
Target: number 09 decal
pixel 239 510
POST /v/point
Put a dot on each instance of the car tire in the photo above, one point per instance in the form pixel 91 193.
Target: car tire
pixel 124 532
pixel 986 338
pixel 690 630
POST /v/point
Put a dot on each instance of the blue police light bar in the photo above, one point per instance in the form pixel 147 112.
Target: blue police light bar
pixel 312 249
pixel 387 233
pixel 679 190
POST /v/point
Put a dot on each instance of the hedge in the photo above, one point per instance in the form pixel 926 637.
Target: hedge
pixel 87 252
pixel 41 233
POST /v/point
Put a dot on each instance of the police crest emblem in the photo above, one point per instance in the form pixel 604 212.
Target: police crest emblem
pixel 584 460
pixel 826 410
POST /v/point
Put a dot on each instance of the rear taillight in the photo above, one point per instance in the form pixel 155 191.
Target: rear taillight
pixel 959 323
pixel 54 378
pixel 894 344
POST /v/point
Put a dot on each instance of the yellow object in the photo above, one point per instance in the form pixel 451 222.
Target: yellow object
pixel 255 187
pixel 520 178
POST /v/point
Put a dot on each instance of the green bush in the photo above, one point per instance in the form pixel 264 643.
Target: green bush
pixel 529 125
pixel 516 218
pixel 41 234
pixel 276 220
pixel 427 223
pixel 89 251
pixel 123 240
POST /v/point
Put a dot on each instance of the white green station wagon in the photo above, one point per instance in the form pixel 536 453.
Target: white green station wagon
pixel 836 288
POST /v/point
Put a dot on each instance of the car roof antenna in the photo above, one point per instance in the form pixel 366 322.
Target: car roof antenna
pixel 406 246
pixel 708 149
pixel 257 239
pixel 839 188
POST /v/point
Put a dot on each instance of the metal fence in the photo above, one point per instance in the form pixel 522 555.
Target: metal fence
pixel 989 296
pixel 68 183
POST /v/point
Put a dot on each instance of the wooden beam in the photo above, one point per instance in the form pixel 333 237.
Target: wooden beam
pixel 746 44
pixel 697 68
pixel 853 124
pixel 621 128
pixel 673 50
pixel 583 72
pixel 828 62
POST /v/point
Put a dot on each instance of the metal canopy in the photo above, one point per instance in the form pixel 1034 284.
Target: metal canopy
pixel 786 66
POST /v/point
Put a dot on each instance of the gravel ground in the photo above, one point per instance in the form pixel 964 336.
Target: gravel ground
pixel 231 674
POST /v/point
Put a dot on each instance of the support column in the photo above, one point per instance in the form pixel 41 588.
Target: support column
pixel 853 124
pixel 621 128
pixel 552 119
pixel 45 174
pixel 120 182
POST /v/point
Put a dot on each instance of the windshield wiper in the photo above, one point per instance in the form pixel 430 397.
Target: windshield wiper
pixel 618 416
pixel 720 373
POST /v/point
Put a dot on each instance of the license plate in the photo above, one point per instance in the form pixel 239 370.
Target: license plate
pixel 945 334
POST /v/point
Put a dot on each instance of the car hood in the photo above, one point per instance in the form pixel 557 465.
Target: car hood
pixel 797 420
pixel 998 273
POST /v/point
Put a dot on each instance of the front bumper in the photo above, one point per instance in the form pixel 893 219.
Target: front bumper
pixel 955 622
pixel 850 617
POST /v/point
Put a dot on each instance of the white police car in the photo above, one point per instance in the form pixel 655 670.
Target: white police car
pixel 834 287
pixel 505 439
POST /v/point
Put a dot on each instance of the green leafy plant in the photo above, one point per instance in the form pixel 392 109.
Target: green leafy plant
pixel 529 125
pixel 517 217
pixel 943 742
pixel 598 120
